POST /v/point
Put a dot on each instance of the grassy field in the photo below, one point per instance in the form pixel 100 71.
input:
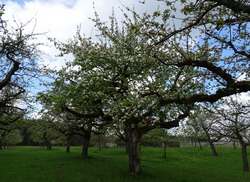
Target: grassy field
pixel 24 164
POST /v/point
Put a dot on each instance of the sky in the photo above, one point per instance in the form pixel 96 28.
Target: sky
pixel 60 18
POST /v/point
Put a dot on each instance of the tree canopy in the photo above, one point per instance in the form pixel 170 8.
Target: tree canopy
pixel 144 73
pixel 18 64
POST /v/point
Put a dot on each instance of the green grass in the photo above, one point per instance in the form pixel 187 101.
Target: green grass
pixel 24 164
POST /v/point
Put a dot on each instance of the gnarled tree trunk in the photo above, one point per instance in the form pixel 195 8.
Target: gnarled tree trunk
pixel 133 145
pixel 85 145
pixel 210 141
pixel 68 144
pixel 126 146
pixel 200 145
pixel 244 158
pixel 212 148
pixel 165 153
pixel 234 144
pixel 48 145
pixel 99 143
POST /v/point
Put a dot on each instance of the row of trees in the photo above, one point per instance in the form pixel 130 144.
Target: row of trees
pixel 228 122
pixel 143 75
pixel 44 132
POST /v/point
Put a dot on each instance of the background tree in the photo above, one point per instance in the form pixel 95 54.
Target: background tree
pixel 159 137
pixel 43 131
pixel 75 113
pixel 191 132
pixel 235 123
pixel 11 138
pixel 206 128
pixel 68 127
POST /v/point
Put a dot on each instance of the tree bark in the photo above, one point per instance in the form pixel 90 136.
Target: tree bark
pixel 67 148
pixel 210 141
pixel 200 145
pixel 212 148
pixel 7 78
pixel 133 144
pixel 234 144
pixel 127 146
pixel 49 145
pixel 85 146
pixel 68 144
pixel 99 142
pixel 165 153
pixel 244 158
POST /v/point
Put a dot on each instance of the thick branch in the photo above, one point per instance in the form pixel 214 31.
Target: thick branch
pixel 10 122
pixel 9 75
pixel 175 122
pixel 238 87
pixel 235 6
pixel 87 116
pixel 211 67
pixel 3 103
pixel 167 124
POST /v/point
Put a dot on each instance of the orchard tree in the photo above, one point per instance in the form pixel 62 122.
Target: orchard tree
pixel 235 123
pixel 68 127
pixel 18 54
pixel 44 131
pixel 191 132
pixel 10 138
pixel 116 79
pixel 157 136
pixel 147 74
pixel 10 115
pixel 206 128
pixel 75 114
pixel 18 65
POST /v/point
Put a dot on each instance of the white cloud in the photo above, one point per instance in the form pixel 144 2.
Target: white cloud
pixel 60 18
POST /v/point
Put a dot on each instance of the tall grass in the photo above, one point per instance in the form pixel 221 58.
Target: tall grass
pixel 24 164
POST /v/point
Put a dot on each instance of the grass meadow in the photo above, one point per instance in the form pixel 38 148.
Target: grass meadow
pixel 25 164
